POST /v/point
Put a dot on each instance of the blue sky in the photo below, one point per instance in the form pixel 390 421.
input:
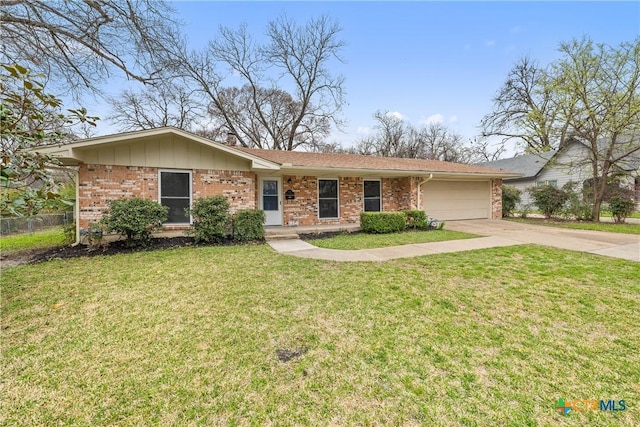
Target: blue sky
pixel 438 61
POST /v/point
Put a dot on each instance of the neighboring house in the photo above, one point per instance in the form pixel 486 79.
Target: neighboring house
pixel 175 168
pixel 559 167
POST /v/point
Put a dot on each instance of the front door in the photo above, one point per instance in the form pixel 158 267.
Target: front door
pixel 270 201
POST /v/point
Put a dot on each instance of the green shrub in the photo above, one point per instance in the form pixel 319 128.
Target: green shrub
pixel 575 207
pixel 134 218
pixel 510 199
pixel 69 230
pixel 622 205
pixel 383 222
pixel 417 219
pixel 211 219
pixel 548 199
pixel 248 225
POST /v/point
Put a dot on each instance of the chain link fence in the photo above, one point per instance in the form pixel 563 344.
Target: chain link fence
pixel 38 222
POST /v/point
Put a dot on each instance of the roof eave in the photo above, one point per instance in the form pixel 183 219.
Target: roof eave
pixel 65 152
pixel 328 171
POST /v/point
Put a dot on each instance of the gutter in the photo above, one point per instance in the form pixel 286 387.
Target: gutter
pixel 418 190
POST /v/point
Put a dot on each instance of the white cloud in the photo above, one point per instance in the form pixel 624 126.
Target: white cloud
pixel 433 119
pixel 489 43
pixel 396 115
pixel 453 119
pixel 363 130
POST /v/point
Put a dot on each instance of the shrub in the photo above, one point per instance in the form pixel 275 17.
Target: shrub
pixel 69 230
pixel 622 205
pixel 548 199
pixel 248 225
pixel 383 222
pixel 211 219
pixel 417 219
pixel 134 218
pixel 575 206
pixel 510 199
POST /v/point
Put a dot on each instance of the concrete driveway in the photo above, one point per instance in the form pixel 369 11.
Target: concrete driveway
pixel 617 245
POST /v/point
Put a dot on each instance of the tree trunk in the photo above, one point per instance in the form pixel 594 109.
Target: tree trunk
pixel 595 212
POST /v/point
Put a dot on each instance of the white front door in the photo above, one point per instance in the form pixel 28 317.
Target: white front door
pixel 271 201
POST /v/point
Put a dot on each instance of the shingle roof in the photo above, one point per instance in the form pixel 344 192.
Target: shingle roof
pixel 303 159
pixel 529 165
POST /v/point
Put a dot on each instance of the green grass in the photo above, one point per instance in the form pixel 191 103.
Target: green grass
pixel 189 337
pixel 370 241
pixel 580 225
pixel 13 243
pixel 609 215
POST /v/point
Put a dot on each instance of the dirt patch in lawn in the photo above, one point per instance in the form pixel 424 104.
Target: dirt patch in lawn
pixel 118 247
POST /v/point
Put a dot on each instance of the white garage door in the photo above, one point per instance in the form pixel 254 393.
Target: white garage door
pixel 447 200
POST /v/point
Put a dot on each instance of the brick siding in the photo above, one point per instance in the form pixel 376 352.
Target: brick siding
pixel 100 183
pixel 496 198
pixel 397 194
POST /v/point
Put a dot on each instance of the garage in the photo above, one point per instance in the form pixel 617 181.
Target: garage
pixel 448 200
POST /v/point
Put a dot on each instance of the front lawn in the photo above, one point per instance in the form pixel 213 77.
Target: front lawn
pixel 581 225
pixel 13 243
pixel 194 336
pixel 370 241
pixel 609 215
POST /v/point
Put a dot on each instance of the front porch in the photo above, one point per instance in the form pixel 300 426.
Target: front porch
pixel 280 233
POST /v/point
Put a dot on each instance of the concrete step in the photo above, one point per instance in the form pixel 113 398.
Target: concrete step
pixel 280 236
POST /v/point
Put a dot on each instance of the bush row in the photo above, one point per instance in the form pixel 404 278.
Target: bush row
pixel 137 218
pixel 393 222
pixel 568 201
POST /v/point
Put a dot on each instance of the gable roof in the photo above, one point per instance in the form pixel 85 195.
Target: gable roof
pixel 528 165
pixel 293 162
pixel 65 152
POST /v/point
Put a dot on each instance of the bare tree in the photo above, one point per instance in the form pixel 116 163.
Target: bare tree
pixel 265 118
pixel 162 104
pixel 395 137
pixel 77 44
pixel 289 97
pixel 524 109
pixel 390 139
pixel 481 150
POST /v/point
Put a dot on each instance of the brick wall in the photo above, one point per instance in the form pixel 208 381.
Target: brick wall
pixel 100 183
pixel 238 186
pixel 397 194
pixel 496 198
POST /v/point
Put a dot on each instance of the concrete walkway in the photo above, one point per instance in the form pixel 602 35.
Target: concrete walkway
pixel 497 232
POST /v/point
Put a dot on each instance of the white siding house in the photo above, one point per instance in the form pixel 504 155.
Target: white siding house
pixel 557 168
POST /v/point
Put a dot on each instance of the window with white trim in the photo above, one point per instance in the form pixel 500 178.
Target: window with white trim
pixel 175 193
pixel 553 183
pixel 372 196
pixel 327 198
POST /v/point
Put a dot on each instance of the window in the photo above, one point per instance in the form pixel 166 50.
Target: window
pixel 175 193
pixel 270 195
pixel 372 196
pixel 553 183
pixel 328 198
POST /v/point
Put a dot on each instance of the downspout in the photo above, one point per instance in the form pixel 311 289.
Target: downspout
pixel 418 190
